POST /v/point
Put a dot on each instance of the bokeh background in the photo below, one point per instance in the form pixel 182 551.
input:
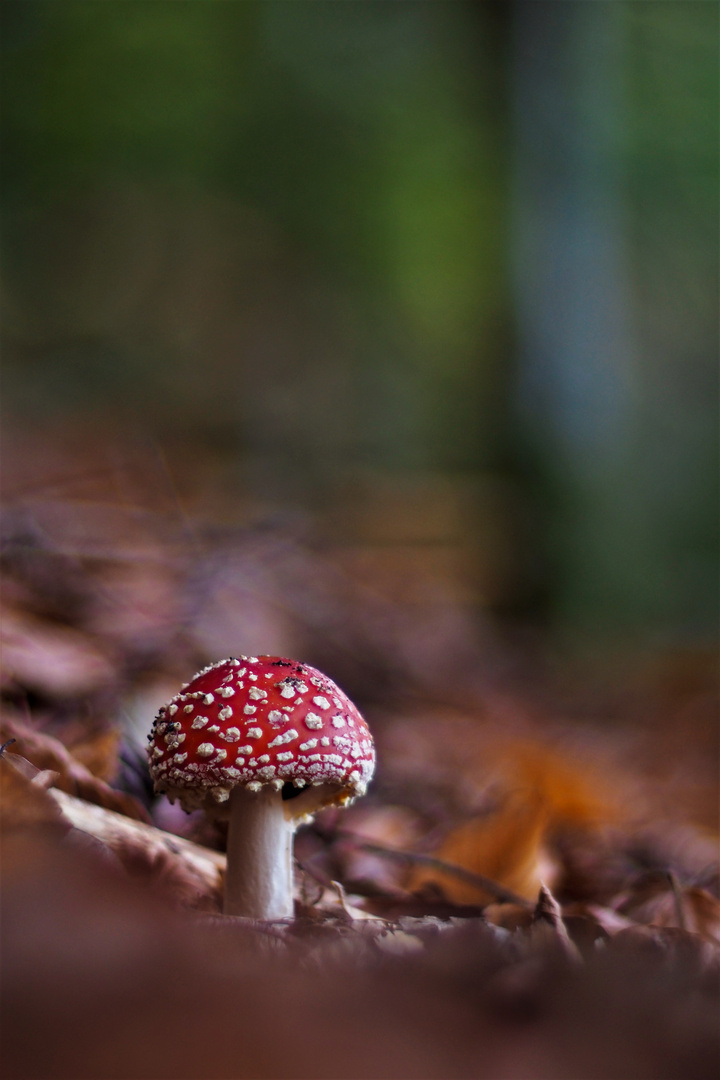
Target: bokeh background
pixel 382 335
pixel 434 282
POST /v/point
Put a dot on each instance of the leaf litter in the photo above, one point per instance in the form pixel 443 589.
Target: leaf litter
pixel 530 889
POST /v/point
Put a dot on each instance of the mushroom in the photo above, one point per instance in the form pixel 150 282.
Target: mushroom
pixel 262 742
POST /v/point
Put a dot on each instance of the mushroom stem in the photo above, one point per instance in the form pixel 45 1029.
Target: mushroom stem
pixel 259 877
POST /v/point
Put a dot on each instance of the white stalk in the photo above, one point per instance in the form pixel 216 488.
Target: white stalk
pixel 259 876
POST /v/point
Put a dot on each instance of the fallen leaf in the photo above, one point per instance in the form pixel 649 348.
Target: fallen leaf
pixel 53 660
pixel 46 752
pixel 24 804
pixel 505 846
pixel 98 752
pixel 547 928
pixel 657 899
pixel 188 873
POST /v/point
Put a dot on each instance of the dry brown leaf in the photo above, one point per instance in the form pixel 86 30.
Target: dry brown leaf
pixel 542 791
pixel 190 874
pixel 98 752
pixel 508 916
pixel 548 929
pixel 504 846
pixel 702 913
pixel 658 900
pixel 50 659
pixel 46 752
pixel 668 944
pixel 24 804
pixel 608 920
pixel 571 788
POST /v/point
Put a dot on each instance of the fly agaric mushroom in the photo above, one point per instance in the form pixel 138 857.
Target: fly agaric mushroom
pixel 261 742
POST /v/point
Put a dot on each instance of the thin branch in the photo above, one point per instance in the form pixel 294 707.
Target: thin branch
pixel 500 892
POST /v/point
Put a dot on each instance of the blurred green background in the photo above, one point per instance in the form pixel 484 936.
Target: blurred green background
pixel 439 276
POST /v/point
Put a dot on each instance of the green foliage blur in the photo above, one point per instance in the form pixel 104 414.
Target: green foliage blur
pixel 466 247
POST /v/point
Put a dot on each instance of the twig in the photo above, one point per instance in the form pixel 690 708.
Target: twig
pixel 500 892
pixel 678 898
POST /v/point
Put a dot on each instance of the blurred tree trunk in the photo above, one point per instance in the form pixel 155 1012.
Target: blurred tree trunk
pixel 626 527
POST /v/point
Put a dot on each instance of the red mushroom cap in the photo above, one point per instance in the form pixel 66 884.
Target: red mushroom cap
pixel 259 721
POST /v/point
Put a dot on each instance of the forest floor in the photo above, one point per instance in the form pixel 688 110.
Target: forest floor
pixel 529 891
